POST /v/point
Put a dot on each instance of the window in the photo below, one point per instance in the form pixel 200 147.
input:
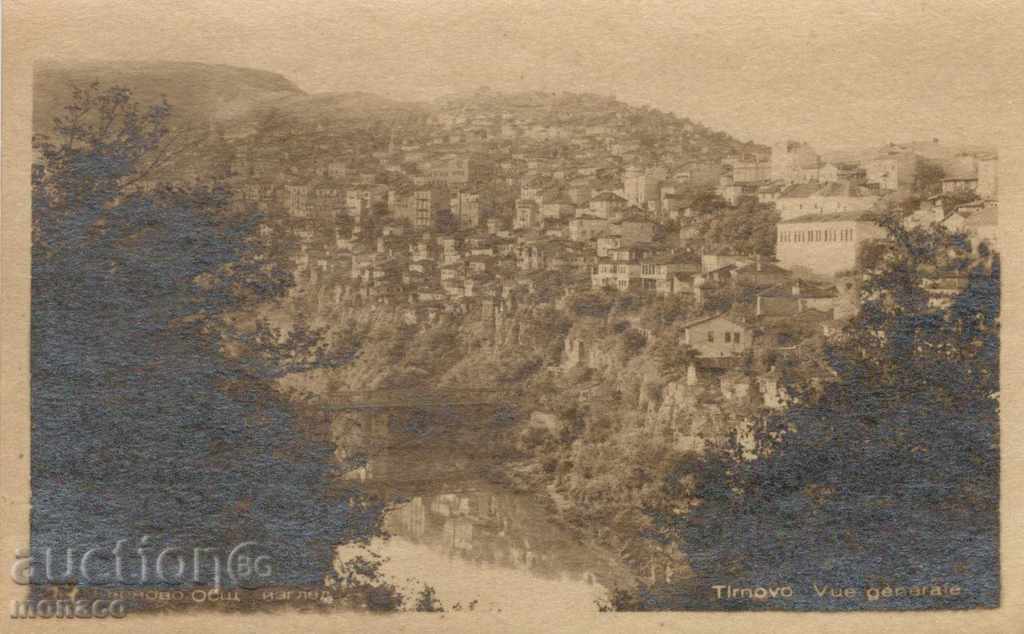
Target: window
pixel 711 336
pixel 736 337
pixel 728 337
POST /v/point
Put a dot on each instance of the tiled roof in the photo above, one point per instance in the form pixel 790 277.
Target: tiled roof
pixel 608 197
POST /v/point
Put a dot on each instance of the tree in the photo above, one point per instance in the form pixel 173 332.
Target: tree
pixel 748 228
pixel 887 474
pixel 144 423
pixel 928 177
pixel 427 601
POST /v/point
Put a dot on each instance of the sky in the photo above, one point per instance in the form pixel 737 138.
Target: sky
pixel 833 73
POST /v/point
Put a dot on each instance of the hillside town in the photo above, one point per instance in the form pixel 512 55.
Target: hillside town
pixel 506 312
pixel 494 204
pixel 501 309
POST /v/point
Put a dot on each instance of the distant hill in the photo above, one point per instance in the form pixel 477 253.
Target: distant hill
pixel 243 101
pixel 196 91
pixel 654 127
pixel 204 92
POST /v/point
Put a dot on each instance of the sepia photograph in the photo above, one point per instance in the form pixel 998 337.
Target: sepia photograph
pixel 369 307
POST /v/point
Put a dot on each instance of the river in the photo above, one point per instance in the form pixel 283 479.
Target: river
pixel 478 542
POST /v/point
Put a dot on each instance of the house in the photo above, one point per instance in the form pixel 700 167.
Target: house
pixel 988 176
pixel 579 190
pixel 335 170
pixel 795 200
pixel 824 244
pixel 836 172
pixel 697 174
pixel 534 189
pixel 641 187
pixel 790 159
pixel 607 243
pixel 633 229
pixel 421 207
pixel 750 169
pixel 733 192
pixel 359 201
pixel 959 183
pixel 718 336
pixel 892 169
pixel 556 205
pixel 681 283
pixel 768 194
pixel 716 261
pixel 606 204
pixel 982 226
pixel 297 201
pixel 466 209
pixel 660 274
pixel 796 297
pixel 760 274
pixel 674 200
pixel 527 214
pixel 620 274
pixel 454 170
pixel 585 227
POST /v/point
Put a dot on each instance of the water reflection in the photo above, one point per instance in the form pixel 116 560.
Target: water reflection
pixel 474 540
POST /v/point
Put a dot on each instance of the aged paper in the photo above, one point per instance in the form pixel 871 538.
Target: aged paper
pixel 510 317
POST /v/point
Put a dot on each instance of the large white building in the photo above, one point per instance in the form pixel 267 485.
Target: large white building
pixel 824 244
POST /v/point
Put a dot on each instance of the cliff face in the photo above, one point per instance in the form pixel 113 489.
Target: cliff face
pixel 586 373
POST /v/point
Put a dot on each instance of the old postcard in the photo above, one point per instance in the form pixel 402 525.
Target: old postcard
pixel 523 315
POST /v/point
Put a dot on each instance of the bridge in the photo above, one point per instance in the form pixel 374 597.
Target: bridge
pixel 419 398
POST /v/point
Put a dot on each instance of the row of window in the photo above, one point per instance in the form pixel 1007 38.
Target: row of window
pixel 730 337
pixel 817 235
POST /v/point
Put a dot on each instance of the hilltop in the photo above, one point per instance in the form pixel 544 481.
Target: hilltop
pixel 204 92
pixel 238 97
pixel 599 113
pixel 197 91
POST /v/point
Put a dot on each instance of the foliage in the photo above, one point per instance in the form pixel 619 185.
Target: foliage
pixel 633 342
pixel 673 356
pixel 928 177
pixel 889 473
pixel 359 582
pixel 748 228
pixel 591 304
pixel 142 425
pixel 427 600
pixel 708 203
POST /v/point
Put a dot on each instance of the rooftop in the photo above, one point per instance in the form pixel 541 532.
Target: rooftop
pixel 846 216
